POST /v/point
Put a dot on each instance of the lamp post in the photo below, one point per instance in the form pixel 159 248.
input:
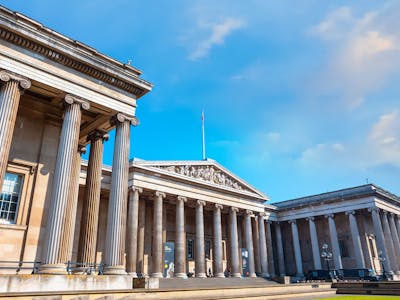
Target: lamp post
pixel 327 256
pixel 381 260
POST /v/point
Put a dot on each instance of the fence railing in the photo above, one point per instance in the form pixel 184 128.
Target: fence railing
pixel 82 268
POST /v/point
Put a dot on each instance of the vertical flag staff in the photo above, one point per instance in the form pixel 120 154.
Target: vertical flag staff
pixel 203 136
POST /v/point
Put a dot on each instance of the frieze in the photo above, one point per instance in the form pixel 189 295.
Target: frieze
pixel 205 173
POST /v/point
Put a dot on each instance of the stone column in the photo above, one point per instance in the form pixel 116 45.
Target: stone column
pixel 379 237
pixel 355 236
pixel 157 248
pixel 256 243
pixel 271 261
pixel 141 232
pixel 314 243
pixel 67 242
pixel 64 171
pixel 263 246
pixel 279 248
pixel 12 86
pixel 91 199
pixel 217 253
pixel 235 264
pixel 395 237
pixel 117 206
pixel 249 242
pixel 180 239
pixel 397 221
pixel 132 231
pixel 337 259
pixel 297 250
pixel 200 262
pixel 389 242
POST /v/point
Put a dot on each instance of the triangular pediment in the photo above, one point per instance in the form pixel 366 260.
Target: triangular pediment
pixel 204 171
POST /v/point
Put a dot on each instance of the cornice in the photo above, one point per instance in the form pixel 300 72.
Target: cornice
pixel 33 36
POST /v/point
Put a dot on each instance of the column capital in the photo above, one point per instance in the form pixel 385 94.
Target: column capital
pixel 262 214
pixel 385 212
pixel 218 206
pixel 350 212
pixel 81 149
pixel 182 198
pixel 96 135
pixel 6 76
pixel 71 99
pixel 373 209
pixel 120 118
pixel 249 212
pixel 269 221
pixel 201 202
pixel 311 219
pixel 329 216
pixel 235 209
pixel 159 194
pixel 135 188
pixel 294 221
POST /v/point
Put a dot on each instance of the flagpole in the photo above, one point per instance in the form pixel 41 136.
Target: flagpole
pixel 203 136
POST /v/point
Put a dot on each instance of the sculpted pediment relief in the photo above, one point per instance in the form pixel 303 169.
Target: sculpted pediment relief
pixel 206 173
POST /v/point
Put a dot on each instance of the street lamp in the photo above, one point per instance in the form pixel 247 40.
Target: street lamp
pixel 325 254
pixel 382 259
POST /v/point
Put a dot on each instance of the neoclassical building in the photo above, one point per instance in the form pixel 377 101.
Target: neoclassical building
pixel 60 214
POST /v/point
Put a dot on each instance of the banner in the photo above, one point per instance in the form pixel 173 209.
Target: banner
pixel 169 248
pixel 245 262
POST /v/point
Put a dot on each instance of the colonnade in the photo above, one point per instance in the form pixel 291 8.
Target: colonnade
pixel 387 238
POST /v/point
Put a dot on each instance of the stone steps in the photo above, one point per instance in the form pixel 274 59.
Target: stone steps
pixel 368 288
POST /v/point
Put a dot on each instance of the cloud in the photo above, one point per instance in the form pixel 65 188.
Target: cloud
pixel 218 32
pixel 364 52
pixel 379 146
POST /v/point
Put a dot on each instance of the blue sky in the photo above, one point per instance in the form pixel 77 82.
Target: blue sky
pixel 300 97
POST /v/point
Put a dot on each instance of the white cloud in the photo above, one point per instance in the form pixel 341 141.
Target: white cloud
pixel 216 36
pixel 364 52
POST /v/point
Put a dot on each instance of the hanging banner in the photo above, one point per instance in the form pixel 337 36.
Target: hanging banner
pixel 245 262
pixel 169 248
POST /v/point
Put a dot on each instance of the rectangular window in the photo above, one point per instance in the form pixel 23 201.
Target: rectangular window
pixel 344 251
pixel 9 198
pixel 371 246
pixel 190 249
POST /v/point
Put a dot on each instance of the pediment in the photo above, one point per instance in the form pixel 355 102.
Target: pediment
pixel 207 171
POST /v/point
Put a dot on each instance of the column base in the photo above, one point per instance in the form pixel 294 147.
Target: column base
pixel 133 274
pixel 219 275
pixel 265 275
pixel 157 275
pixel 180 275
pixel 272 275
pixel 236 275
pixel 53 269
pixel 253 275
pixel 114 270
pixel 201 275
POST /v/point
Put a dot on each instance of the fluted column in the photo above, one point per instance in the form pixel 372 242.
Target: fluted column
pixel 395 238
pixel 235 264
pixel 217 253
pixel 389 242
pixel 69 226
pixel 397 221
pixel 140 237
pixel 337 258
pixel 314 243
pixel 64 171
pixel 157 248
pixel 200 262
pixel 180 238
pixel 12 86
pixel 132 231
pixel 91 199
pixel 117 206
pixel 279 247
pixel 271 261
pixel 256 244
pixel 249 242
pixel 263 246
pixel 296 247
pixel 379 237
pixel 355 236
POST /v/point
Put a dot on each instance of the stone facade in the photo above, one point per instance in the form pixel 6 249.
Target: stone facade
pixel 78 217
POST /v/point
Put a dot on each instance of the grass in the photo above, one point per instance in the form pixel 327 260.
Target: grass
pixel 359 297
